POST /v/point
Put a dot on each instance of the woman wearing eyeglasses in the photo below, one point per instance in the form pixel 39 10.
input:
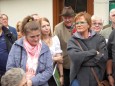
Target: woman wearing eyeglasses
pixel 86 49
pixel 54 46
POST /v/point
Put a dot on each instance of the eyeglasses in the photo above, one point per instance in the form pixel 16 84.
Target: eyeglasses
pixel 99 24
pixel 81 23
pixel 113 15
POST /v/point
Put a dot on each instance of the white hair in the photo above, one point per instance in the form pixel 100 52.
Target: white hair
pixel 111 11
pixel 94 17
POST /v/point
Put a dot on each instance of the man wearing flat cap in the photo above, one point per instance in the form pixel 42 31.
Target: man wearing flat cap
pixel 64 31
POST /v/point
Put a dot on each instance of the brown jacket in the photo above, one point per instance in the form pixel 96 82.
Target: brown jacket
pixel 64 35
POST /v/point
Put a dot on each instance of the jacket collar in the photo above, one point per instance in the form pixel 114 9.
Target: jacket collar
pixel 78 35
pixel 44 48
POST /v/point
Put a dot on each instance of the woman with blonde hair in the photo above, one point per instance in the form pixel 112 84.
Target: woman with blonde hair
pixel 54 45
pixel 18 29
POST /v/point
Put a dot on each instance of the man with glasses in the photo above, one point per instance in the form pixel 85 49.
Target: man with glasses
pixel 96 23
pixel 64 31
pixel 5 23
pixel 106 32
pixel 6 41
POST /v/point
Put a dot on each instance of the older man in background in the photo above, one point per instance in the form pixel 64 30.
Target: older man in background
pixel 107 31
pixel 5 23
pixel 64 31
pixel 97 23
pixel 6 41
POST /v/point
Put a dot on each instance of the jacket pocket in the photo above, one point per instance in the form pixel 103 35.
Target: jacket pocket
pixel 42 65
pixel 17 60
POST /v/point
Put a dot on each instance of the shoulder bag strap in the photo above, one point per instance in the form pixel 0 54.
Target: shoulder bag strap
pixel 79 45
pixel 20 57
pixel 95 75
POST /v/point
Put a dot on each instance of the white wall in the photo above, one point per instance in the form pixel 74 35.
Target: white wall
pixel 101 8
pixel 18 9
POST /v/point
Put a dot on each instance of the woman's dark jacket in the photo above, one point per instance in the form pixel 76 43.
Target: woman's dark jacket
pixel 82 60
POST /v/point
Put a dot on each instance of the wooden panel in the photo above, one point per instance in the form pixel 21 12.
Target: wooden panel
pixel 90 6
pixel 57 8
pixel 55 12
pixel 77 5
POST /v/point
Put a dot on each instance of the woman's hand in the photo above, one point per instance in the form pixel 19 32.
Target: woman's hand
pixel 29 83
pixel 111 80
pixel 61 80
pixel 97 52
pixel 58 59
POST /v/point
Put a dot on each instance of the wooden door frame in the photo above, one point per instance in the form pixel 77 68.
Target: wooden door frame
pixel 90 6
pixel 57 8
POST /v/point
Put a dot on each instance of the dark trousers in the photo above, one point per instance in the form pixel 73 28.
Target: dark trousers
pixel 66 77
pixel 52 82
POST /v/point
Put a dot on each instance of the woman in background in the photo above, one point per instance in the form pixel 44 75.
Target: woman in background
pixel 31 54
pixel 18 29
pixel 54 45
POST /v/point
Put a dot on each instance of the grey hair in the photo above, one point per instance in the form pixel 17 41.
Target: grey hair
pixel 12 77
pixel 94 17
pixel 111 11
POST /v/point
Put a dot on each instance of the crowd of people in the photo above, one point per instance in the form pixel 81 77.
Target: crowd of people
pixel 80 43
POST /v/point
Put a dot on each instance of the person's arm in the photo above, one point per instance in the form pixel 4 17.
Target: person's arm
pixel 109 67
pixel 102 55
pixel 58 57
pixel 109 72
pixel 77 54
pixel 60 67
pixel 13 61
pixel 29 83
